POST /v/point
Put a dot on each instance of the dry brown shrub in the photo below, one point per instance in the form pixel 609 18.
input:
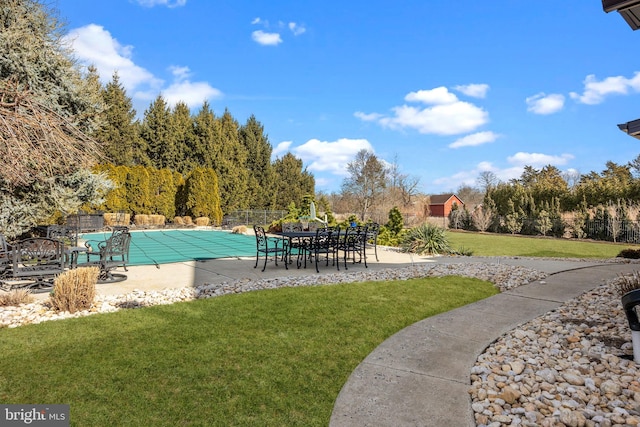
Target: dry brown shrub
pixel 16 297
pixel 156 220
pixel 141 220
pixel 202 221
pixel 239 229
pixel 178 220
pixel 112 219
pixel 187 220
pixel 75 289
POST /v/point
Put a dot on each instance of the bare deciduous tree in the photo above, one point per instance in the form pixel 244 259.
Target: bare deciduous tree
pixel 366 181
pixel 482 218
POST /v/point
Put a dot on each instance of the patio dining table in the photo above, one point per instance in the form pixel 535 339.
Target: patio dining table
pixel 300 240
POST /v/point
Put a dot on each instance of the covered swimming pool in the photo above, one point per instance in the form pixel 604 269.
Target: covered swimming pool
pixel 151 247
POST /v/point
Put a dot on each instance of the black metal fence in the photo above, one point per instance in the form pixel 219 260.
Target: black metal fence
pixel 613 230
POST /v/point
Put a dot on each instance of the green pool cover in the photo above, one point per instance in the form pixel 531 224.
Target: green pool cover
pixel 166 246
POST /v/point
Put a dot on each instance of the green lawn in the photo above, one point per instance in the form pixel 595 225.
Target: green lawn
pixel 489 244
pixel 264 358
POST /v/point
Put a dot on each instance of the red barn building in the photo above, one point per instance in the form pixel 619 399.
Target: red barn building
pixel 440 205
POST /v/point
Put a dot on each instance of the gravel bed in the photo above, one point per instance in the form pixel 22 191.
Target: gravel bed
pixel 570 367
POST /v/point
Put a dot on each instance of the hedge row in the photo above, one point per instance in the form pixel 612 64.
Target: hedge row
pixel 150 191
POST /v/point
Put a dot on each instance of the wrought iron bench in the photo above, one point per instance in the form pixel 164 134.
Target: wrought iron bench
pixel 32 263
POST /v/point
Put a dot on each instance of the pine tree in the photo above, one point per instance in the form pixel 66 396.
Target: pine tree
pixel 207 134
pixel 182 129
pixel 119 135
pixel 292 181
pixel 261 177
pixel 230 164
pixel 158 136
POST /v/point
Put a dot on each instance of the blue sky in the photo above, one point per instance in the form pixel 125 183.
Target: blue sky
pixel 446 89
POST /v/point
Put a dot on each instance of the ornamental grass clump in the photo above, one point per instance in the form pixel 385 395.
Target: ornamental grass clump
pixel 628 282
pixel 16 297
pixel 426 239
pixel 75 290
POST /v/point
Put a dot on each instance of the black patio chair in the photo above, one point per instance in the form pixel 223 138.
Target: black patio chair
pixel 35 263
pixel 326 243
pixel 6 257
pixel 267 247
pixel 354 243
pixel 296 244
pixel 373 230
pixel 109 255
pixel 68 235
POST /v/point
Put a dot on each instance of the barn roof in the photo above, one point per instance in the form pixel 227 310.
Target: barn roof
pixel 441 199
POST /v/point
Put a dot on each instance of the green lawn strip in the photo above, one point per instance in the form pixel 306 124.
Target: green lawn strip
pixel 489 244
pixel 265 358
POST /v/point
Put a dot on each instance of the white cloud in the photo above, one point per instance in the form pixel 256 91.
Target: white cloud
pixel 191 93
pixel 367 117
pixel 473 90
pixel 93 45
pixel 475 139
pixel 445 115
pixel 542 103
pixel 168 3
pixel 281 148
pixel 448 119
pixel 437 96
pixel 256 21
pixel 538 159
pixel 296 29
pixel 180 73
pixel 330 156
pixel 595 91
pixel 266 39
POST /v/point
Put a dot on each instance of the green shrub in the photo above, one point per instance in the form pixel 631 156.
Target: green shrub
pixel 396 222
pixel 629 253
pixel 463 251
pixel 426 239
pixel 387 238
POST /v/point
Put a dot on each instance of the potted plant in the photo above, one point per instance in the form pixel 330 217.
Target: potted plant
pixel 629 289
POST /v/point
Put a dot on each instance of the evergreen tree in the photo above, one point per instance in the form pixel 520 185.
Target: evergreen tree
pixel 139 190
pixel 231 166
pixel 207 134
pixel 119 134
pixel 158 136
pixel 182 128
pixel 34 56
pixel 164 193
pixel 260 179
pixel 48 107
pixel 292 181
pixel 203 194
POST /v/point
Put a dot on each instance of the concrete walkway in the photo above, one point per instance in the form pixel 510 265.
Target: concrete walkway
pixel 421 375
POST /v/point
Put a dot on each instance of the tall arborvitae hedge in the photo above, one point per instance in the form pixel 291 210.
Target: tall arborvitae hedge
pixel 147 190
pixel 203 194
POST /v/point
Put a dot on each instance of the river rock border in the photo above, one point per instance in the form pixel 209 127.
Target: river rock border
pixel 503 276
